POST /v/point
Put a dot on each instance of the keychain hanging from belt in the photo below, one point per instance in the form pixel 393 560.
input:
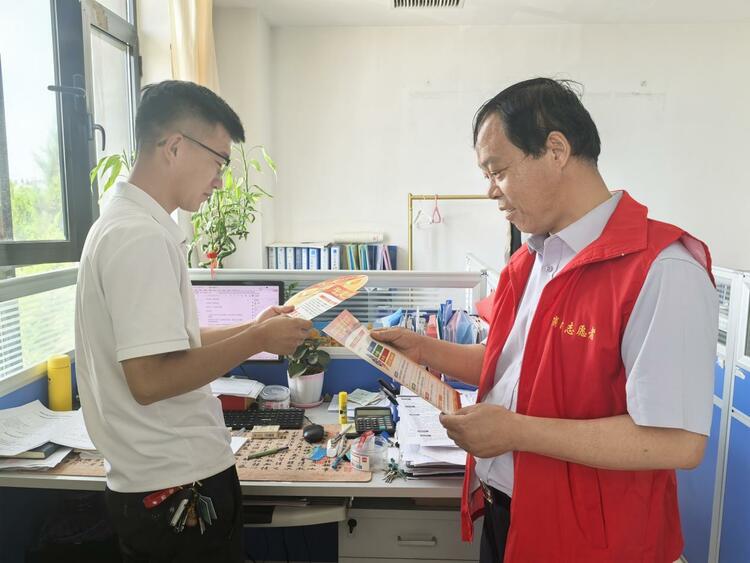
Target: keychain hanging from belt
pixel 189 507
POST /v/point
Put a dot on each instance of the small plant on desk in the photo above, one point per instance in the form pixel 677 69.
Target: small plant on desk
pixel 305 372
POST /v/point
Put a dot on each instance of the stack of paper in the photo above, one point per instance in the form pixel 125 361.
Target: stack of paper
pixel 46 463
pixel 29 426
pixel 426 449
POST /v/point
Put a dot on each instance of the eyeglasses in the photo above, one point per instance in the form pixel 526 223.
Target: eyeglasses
pixel 225 159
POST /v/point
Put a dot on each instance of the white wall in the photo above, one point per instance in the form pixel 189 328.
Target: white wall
pixel 358 117
pixel 243 43
pixel 361 116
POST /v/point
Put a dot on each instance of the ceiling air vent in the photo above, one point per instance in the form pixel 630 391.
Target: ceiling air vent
pixel 428 3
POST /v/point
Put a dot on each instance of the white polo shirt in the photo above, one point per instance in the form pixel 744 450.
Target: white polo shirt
pixel 668 347
pixel 134 299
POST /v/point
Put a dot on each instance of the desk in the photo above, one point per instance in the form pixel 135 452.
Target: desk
pixel 377 487
pixel 380 508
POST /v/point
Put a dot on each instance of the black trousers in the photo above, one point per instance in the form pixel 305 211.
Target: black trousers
pixel 146 536
pixel 496 524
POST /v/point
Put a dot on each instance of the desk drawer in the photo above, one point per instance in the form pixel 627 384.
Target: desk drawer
pixel 433 535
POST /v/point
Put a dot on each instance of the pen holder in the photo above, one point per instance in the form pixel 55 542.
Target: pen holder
pixel 371 455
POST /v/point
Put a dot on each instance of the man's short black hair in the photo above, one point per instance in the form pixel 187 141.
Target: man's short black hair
pixel 167 102
pixel 532 109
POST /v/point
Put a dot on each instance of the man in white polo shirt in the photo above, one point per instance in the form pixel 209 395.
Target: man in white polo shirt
pixel 596 379
pixel 142 362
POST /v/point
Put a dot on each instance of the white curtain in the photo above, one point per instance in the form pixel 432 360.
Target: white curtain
pixel 193 50
pixel 193 58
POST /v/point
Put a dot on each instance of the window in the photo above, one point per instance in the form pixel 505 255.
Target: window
pixel 49 140
pixel 36 322
pixel 47 135
pixel 111 46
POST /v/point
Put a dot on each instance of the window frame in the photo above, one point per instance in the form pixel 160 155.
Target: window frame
pixel 109 23
pixel 71 48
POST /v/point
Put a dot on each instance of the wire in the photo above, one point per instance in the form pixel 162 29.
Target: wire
pixel 308 419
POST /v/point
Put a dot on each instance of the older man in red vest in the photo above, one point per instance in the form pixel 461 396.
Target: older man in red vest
pixel 595 381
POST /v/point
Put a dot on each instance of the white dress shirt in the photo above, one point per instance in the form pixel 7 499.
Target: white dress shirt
pixel 668 349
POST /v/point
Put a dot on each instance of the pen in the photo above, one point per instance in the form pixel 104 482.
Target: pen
pixel 335 463
pixel 266 452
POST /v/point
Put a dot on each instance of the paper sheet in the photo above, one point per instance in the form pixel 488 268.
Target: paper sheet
pixel 364 398
pixel 31 425
pixel 237 443
pixel 347 330
pixel 319 298
pixel 23 428
pixel 334 405
pixel 237 387
pixel 70 430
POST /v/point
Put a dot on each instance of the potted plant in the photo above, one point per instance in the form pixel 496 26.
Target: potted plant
pixel 226 215
pixel 305 372
pixel 221 219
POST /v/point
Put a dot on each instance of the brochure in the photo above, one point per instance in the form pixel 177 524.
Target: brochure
pixel 346 329
pixel 319 298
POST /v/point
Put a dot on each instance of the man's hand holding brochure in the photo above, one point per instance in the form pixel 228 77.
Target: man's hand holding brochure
pixel 348 331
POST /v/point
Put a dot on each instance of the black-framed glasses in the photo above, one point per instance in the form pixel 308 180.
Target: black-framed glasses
pixel 225 159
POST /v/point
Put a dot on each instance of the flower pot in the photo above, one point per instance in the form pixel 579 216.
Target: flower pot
pixel 305 390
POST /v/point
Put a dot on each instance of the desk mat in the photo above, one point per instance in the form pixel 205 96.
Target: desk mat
pixel 292 465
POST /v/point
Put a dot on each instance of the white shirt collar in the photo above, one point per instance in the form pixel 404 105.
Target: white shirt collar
pixel 587 229
pixel 151 206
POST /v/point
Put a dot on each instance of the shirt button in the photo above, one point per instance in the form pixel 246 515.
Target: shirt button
pixel 549 269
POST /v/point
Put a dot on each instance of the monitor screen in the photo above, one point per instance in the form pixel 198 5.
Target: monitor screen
pixel 230 302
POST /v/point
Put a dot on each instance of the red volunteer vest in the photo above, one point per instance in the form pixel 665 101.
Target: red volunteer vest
pixel 572 369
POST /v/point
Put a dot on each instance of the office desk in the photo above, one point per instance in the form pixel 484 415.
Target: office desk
pixel 396 521
pixel 377 487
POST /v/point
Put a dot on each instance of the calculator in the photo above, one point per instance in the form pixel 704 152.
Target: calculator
pixel 377 419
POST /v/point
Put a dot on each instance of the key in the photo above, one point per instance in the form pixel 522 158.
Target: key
pixel 179 511
pixel 203 512
pixel 211 511
pixel 211 508
pixel 202 525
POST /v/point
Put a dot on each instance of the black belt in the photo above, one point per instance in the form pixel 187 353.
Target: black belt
pixel 493 496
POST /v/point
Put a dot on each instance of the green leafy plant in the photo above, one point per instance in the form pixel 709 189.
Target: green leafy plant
pixel 108 169
pixel 307 358
pixel 224 217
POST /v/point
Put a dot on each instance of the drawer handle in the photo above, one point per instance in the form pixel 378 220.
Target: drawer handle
pixel 739 373
pixel 431 542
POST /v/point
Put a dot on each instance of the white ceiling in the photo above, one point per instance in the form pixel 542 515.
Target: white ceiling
pixel 495 12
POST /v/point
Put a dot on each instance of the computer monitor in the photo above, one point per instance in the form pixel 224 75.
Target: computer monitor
pixel 231 302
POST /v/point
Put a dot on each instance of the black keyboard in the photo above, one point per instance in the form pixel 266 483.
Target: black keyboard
pixel 287 419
